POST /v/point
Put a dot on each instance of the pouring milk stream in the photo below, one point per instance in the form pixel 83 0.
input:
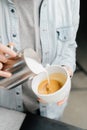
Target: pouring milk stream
pixel 36 67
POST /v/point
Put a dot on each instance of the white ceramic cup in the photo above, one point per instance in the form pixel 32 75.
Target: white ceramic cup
pixel 61 95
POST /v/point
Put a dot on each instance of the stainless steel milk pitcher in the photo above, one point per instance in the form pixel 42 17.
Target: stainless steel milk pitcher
pixel 19 69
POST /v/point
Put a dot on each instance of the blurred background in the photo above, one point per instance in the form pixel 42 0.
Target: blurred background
pixel 76 111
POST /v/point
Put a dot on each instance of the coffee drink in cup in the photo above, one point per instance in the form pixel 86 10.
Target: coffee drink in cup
pixel 52 84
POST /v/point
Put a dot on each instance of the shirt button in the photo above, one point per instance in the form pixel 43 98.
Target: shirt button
pixel 12 10
pixel 58 33
pixel 19 106
pixel 14 35
pixel 17 93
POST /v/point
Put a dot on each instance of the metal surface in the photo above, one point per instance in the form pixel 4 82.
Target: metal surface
pixel 19 69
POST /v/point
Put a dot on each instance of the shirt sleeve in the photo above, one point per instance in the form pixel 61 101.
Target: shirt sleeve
pixel 68 56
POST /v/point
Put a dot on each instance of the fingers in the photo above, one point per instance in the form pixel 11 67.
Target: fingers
pixel 69 70
pixel 7 50
pixel 5 74
pixel 41 100
pixel 3 59
pixel 1 66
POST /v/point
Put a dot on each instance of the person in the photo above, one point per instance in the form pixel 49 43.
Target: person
pixel 47 26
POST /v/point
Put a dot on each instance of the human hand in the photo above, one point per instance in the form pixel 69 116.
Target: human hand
pixel 69 70
pixel 3 59
pixel 41 100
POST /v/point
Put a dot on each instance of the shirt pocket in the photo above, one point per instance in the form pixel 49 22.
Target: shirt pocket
pixel 65 36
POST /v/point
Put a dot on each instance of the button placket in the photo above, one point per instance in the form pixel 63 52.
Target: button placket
pixel 44 32
pixel 18 92
pixel 14 37
pixel 13 11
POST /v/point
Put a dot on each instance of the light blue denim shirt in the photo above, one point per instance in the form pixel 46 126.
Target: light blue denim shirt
pixel 59 20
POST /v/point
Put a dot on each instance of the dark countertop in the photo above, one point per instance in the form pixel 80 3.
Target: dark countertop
pixel 36 122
